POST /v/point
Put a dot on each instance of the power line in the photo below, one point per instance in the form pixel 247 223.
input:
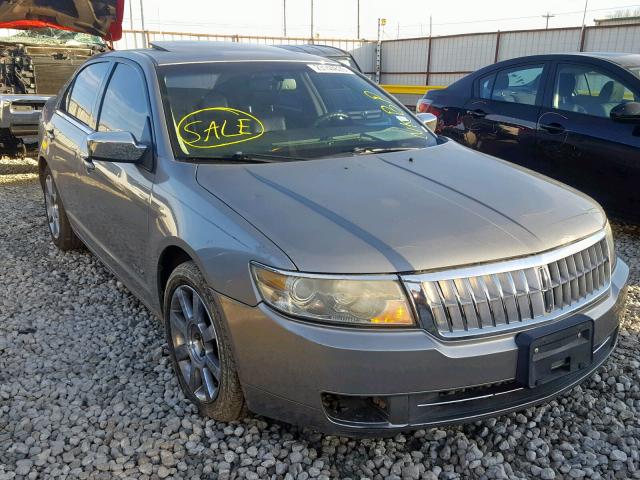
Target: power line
pixel 288 27
pixel 501 19
pixel 417 25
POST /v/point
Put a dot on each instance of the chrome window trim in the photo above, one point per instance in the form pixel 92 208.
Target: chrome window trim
pixel 75 122
pixel 197 62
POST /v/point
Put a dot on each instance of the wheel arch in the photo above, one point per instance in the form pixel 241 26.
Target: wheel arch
pixel 172 256
pixel 42 164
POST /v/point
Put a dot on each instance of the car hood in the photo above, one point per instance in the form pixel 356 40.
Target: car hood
pixel 435 208
pixel 102 18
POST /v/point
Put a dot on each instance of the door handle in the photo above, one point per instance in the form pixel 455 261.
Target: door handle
pixel 553 128
pixel 477 113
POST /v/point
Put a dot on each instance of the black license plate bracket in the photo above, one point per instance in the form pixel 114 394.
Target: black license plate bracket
pixel 548 353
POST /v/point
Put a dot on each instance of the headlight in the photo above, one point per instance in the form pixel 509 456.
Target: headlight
pixel 340 300
pixel 612 246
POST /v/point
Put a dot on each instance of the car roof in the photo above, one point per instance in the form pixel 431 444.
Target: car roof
pixel 176 52
pixel 619 58
pixel 320 50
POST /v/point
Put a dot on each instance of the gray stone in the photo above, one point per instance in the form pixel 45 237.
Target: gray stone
pixel 23 467
pixel 618 455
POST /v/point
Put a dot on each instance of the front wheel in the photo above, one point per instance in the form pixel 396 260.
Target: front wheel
pixel 200 346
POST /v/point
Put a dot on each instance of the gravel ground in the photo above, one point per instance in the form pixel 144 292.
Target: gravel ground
pixel 87 391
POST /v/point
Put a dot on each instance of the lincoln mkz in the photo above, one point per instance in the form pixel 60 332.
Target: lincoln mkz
pixel 316 254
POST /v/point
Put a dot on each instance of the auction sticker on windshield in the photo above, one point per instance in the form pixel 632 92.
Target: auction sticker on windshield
pixel 324 68
pixel 215 127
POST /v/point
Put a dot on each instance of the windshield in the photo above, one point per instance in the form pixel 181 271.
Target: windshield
pixel 51 36
pixel 282 109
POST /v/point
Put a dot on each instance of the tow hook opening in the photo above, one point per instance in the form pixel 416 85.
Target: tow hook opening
pixel 357 410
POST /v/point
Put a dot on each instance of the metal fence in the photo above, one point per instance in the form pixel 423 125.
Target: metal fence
pixel 436 60
pixel 443 60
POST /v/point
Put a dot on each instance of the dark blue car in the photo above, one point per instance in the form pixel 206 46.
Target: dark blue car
pixel 574 117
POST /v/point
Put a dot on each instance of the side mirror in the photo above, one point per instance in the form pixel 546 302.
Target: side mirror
pixel 114 147
pixel 429 120
pixel 626 113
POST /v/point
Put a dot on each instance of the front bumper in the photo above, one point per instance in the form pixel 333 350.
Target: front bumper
pixel 19 118
pixel 363 382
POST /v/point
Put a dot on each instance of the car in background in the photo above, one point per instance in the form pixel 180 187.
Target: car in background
pixel 34 64
pixel 326 51
pixel 47 41
pixel 316 254
pixel 573 117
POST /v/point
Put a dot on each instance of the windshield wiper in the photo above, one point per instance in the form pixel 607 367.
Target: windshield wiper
pixel 370 150
pixel 250 158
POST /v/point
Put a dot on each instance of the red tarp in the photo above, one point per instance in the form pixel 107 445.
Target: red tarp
pixel 102 18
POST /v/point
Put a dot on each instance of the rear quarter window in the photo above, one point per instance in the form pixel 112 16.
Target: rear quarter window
pixel 485 85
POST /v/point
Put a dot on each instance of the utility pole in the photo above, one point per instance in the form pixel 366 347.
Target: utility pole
pixel 358 36
pixel 284 18
pixel 381 22
pixel 430 26
pixel 135 39
pixel 144 41
pixel 311 21
pixel 583 29
pixel 584 15
pixel 547 16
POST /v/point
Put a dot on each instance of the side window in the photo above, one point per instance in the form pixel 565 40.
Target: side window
pixel 485 85
pixel 125 107
pixel 81 99
pixel 589 90
pixel 518 84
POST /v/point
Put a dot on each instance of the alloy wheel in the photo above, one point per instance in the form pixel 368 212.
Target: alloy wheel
pixel 195 343
pixel 53 209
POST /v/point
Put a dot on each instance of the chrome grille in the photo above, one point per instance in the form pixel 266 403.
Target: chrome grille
pixel 505 295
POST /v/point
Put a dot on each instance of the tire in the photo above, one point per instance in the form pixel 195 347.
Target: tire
pixel 200 346
pixel 60 229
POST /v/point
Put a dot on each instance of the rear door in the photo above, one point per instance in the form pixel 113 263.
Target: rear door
pixel 74 119
pixel 501 117
pixel 579 144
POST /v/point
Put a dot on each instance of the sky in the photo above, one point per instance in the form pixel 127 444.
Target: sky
pixel 338 18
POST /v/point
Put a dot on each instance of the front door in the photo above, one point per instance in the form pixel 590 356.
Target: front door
pixel 580 145
pixel 117 195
